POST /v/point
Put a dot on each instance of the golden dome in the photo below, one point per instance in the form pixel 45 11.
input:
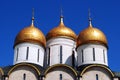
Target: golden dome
pixel 30 34
pixel 91 35
pixel 61 31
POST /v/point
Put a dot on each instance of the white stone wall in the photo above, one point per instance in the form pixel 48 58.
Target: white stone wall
pixel 86 54
pixel 68 46
pixel 34 56
pixel 116 78
pixel 18 74
pixel 92 72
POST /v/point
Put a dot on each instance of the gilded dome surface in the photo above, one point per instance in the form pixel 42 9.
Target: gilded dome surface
pixel 61 31
pixel 30 34
pixel 91 35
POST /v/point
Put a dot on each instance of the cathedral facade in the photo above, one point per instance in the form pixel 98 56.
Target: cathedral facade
pixel 60 55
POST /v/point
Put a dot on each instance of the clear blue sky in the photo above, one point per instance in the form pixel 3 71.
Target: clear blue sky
pixel 16 14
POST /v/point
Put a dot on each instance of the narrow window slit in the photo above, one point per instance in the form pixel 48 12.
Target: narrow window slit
pixel 27 53
pixel 93 54
pixel 82 56
pixel 24 76
pixel 38 55
pixel 60 54
pixel 60 76
pixel 17 54
pixel 73 58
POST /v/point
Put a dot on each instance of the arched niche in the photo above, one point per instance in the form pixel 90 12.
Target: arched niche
pixel 60 72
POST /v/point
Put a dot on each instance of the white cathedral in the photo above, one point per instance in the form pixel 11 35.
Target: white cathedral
pixel 61 55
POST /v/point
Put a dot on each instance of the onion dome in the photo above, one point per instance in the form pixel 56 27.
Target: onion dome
pixel 61 31
pixel 91 35
pixel 30 34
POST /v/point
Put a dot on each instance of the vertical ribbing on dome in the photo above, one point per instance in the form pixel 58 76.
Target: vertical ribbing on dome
pixel 89 18
pixel 32 18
